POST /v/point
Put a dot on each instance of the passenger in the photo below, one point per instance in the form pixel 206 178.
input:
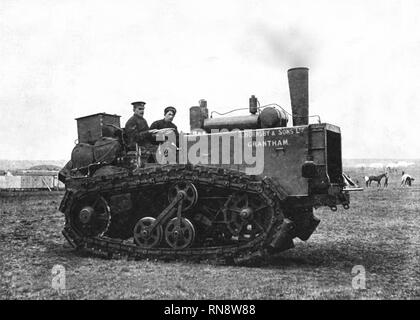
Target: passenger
pixel 167 122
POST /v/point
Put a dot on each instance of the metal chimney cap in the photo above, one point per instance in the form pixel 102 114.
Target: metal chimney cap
pixel 297 68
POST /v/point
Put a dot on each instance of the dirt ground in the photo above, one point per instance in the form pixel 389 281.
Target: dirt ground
pixel 379 236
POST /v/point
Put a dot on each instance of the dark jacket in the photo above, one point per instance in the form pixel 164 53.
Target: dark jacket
pixel 137 130
pixel 162 124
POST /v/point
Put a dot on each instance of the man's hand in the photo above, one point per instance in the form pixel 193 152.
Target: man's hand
pixel 166 130
pixel 161 134
pixel 162 131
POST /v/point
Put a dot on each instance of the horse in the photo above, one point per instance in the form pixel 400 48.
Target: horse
pixel 378 179
pixel 406 180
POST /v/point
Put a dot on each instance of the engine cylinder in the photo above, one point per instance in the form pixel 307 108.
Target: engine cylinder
pixel 230 123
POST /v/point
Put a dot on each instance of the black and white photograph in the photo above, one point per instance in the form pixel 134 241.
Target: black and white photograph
pixel 223 152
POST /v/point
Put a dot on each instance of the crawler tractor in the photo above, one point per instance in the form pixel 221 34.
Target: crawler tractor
pixel 234 188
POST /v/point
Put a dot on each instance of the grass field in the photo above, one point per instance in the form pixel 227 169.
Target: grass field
pixel 380 232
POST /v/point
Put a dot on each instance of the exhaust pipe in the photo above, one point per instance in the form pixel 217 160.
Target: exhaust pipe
pixel 298 86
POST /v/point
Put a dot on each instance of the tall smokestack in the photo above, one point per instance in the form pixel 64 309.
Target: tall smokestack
pixel 298 85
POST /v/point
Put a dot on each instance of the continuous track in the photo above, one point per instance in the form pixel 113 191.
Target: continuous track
pixel 110 233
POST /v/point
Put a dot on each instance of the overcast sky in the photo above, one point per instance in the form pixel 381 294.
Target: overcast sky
pixel 60 60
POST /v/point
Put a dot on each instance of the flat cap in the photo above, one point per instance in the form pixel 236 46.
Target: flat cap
pixel 167 109
pixel 138 104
